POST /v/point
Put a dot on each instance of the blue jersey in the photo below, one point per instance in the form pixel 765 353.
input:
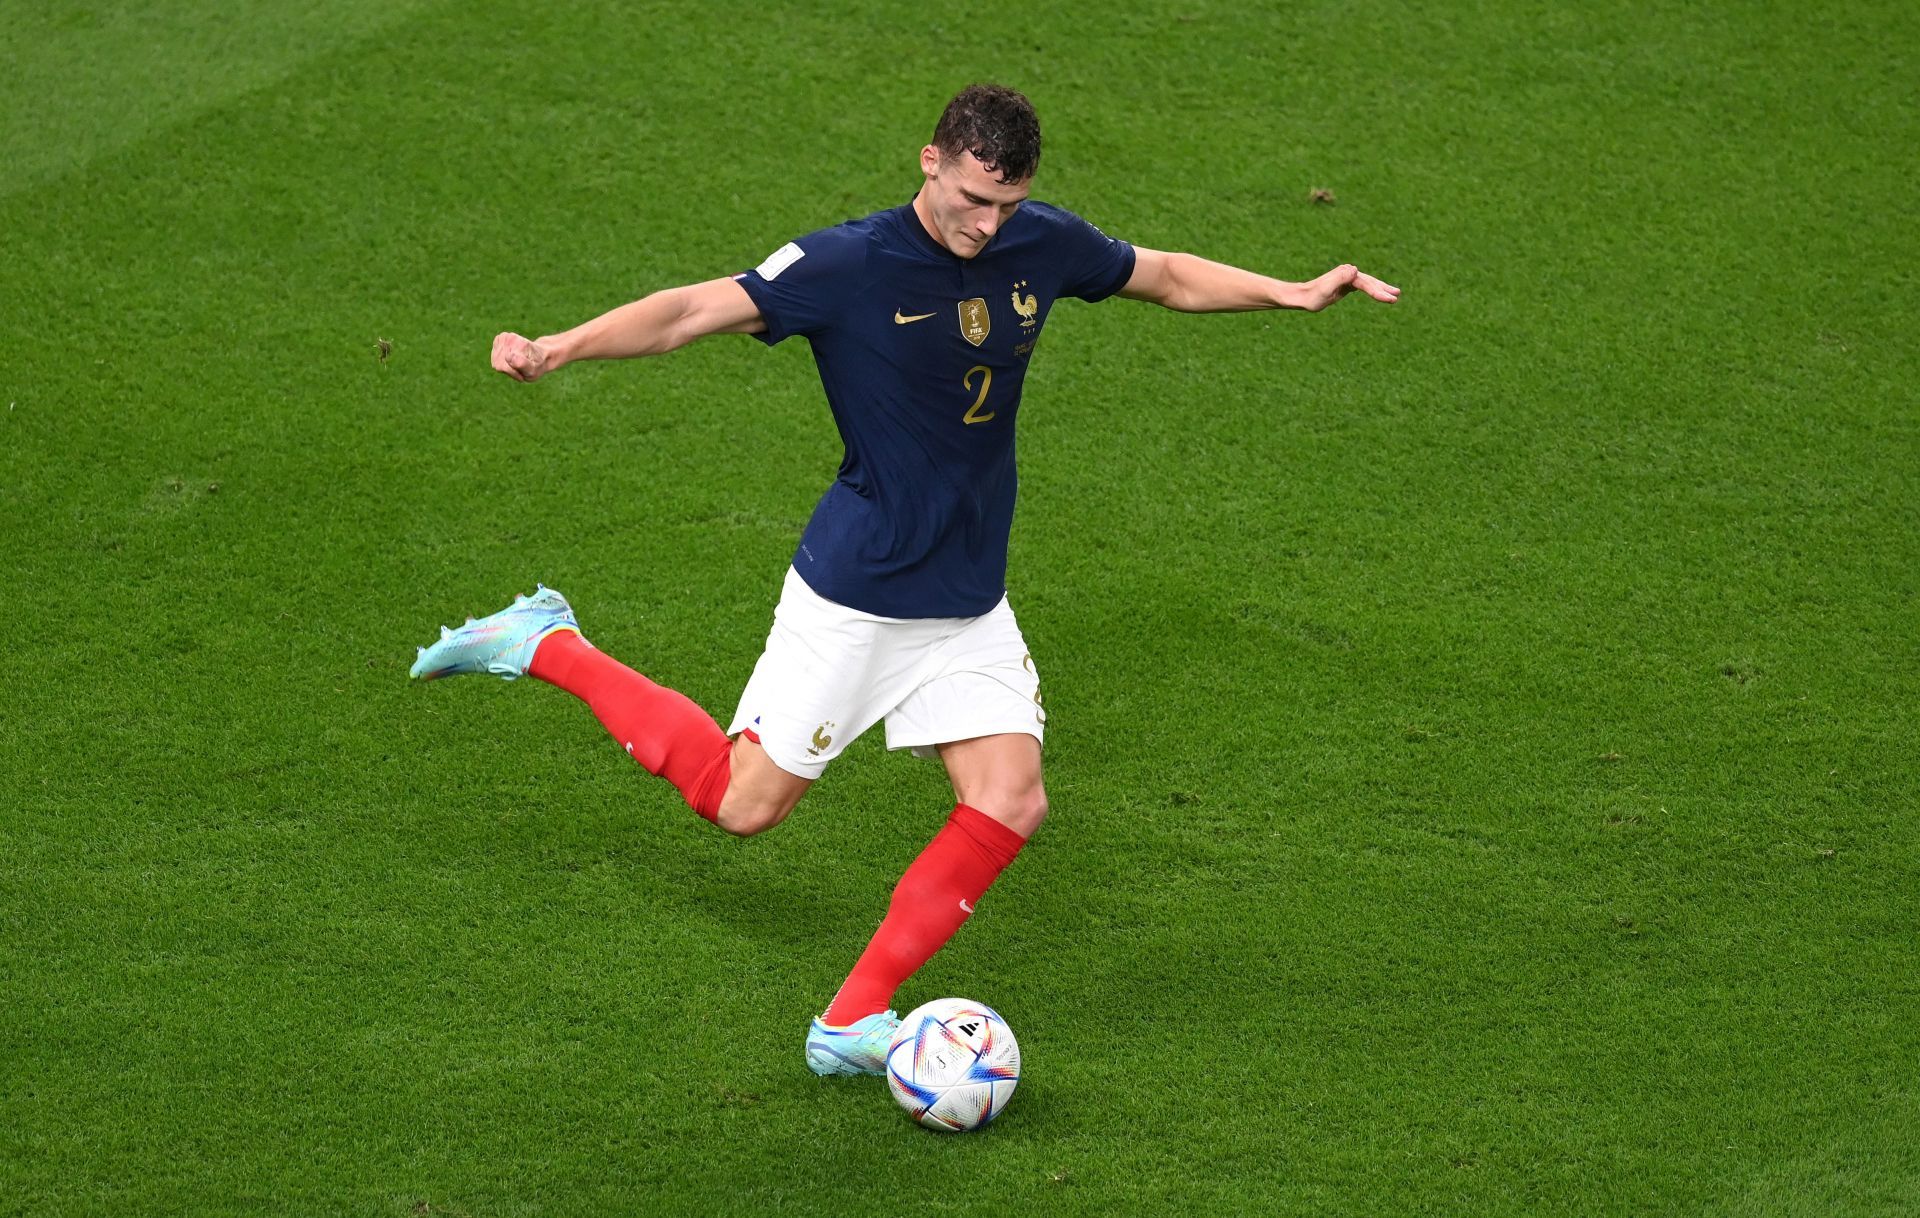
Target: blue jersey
pixel 923 355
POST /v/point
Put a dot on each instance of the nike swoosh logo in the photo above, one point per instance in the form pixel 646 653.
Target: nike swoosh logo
pixel 900 319
pixel 965 906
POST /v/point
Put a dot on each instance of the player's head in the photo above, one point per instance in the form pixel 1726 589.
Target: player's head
pixel 979 165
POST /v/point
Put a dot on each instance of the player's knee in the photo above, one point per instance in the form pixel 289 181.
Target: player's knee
pixel 1033 810
pixel 1021 811
pixel 746 817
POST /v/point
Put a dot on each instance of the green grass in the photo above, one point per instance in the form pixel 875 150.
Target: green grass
pixel 1482 740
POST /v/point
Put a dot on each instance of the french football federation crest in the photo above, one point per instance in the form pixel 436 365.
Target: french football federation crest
pixel 1026 306
pixel 974 322
pixel 821 741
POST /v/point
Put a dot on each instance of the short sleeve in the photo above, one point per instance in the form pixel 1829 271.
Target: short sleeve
pixel 1095 265
pixel 800 287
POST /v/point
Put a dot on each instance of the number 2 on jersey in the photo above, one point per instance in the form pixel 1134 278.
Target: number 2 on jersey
pixel 973 414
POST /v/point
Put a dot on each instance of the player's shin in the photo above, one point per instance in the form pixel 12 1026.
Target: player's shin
pixel 662 729
pixel 937 894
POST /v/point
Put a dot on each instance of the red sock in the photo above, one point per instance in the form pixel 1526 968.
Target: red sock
pixel 929 903
pixel 662 730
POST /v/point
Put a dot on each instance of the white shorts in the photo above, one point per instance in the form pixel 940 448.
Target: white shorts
pixel 829 673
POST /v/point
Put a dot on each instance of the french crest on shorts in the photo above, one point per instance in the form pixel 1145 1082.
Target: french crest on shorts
pixel 821 741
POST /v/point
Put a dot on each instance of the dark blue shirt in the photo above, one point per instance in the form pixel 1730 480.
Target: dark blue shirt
pixel 923 356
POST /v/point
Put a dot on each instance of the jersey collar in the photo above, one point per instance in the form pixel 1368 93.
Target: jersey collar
pixel 918 235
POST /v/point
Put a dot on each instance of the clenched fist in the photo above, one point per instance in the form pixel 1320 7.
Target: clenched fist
pixel 523 359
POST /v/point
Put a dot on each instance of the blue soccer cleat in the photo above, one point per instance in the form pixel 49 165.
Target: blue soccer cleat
pixel 501 643
pixel 859 1048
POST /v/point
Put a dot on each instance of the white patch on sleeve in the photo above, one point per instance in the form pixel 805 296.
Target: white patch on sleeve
pixel 779 260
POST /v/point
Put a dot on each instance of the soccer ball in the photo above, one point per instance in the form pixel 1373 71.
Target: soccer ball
pixel 953 1064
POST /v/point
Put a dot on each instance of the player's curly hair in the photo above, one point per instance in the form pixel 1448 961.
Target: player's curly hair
pixel 996 124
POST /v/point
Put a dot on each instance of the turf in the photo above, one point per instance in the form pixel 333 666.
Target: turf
pixel 1482 730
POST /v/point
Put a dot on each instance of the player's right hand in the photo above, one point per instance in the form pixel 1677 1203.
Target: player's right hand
pixel 521 358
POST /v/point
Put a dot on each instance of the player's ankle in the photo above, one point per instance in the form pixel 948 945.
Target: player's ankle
pixel 844 1014
pixel 554 657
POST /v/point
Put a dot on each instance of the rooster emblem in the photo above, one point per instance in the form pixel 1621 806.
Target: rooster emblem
pixel 1026 306
pixel 820 740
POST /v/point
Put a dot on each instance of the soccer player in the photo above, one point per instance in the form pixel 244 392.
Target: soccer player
pixel 922 320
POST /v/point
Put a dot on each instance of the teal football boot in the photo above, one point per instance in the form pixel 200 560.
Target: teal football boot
pixel 859 1048
pixel 501 643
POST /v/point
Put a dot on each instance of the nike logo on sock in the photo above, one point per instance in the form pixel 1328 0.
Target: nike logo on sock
pixel 965 906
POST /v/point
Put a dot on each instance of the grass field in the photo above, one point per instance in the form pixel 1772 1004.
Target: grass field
pixel 1482 743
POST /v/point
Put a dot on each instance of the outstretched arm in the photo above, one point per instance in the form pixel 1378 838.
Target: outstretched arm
pixel 1193 285
pixel 652 325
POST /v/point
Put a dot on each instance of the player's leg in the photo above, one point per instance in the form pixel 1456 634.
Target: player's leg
pixel 731 782
pixel 662 729
pixel 981 714
pixel 943 886
pixel 726 781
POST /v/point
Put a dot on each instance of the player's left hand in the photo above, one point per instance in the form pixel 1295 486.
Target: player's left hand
pixel 1346 278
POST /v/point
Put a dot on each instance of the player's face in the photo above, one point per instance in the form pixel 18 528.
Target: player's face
pixel 965 204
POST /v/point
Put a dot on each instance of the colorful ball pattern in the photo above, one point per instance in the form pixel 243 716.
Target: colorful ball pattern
pixel 953 1064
